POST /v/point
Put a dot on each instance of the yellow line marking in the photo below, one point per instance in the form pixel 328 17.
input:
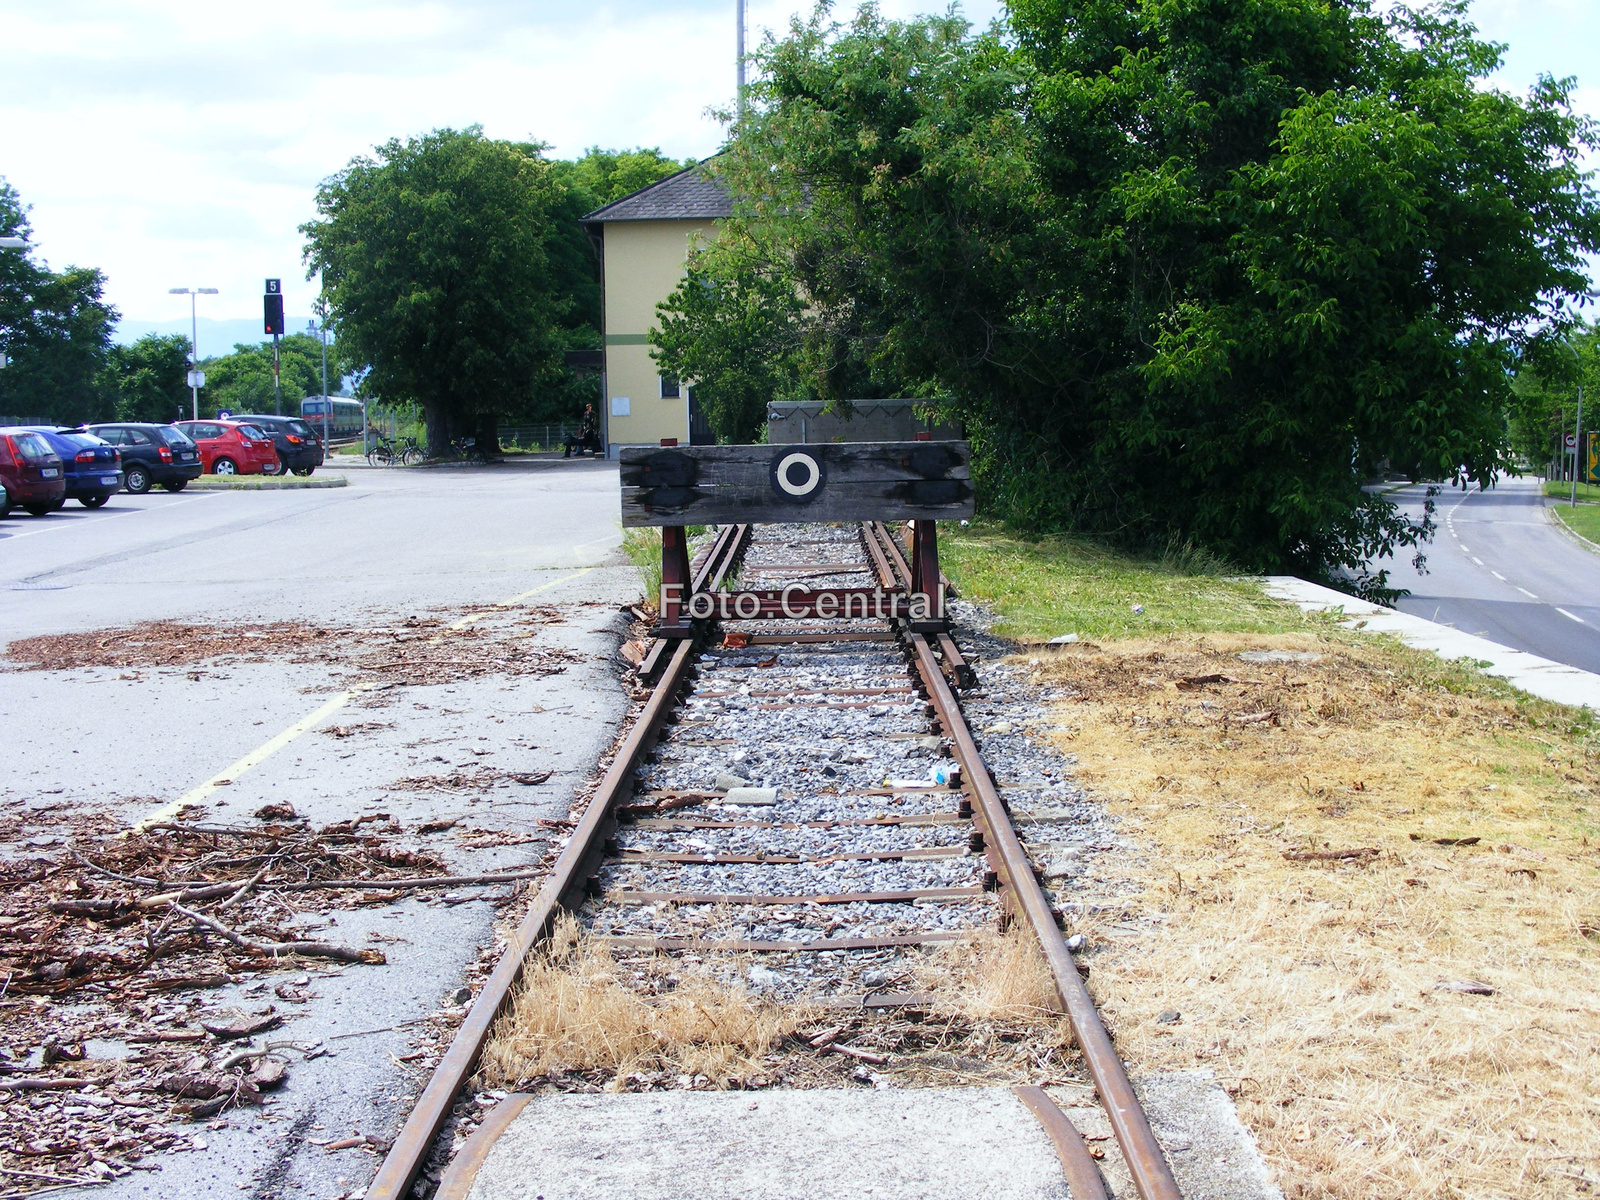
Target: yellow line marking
pixel 230 774
pixel 473 618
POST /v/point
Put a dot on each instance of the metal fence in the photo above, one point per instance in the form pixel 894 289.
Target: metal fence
pixel 536 437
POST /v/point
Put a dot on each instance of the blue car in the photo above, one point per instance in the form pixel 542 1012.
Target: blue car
pixel 92 466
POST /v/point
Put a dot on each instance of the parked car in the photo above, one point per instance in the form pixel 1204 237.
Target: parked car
pixel 30 472
pixel 90 465
pixel 232 447
pixel 151 454
pixel 298 444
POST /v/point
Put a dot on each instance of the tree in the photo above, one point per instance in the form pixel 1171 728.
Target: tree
pixel 242 381
pixel 1544 406
pixel 55 329
pixel 434 257
pixel 146 381
pixel 602 176
pixel 1188 267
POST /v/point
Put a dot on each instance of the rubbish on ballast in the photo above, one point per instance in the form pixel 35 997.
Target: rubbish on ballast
pixel 751 795
pixel 1066 639
pixel 1465 987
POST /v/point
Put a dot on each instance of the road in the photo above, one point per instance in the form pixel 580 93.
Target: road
pixel 138 739
pixel 1499 568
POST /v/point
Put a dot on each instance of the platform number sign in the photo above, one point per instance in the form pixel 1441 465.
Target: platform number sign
pixel 798 476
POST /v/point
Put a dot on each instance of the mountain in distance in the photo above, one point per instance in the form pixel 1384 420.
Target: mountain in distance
pixel 215 336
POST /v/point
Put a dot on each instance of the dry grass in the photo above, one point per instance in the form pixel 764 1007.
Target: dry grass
pixel 1311 988
pixel 584 1018
pixel 579 1010
pixel 992 977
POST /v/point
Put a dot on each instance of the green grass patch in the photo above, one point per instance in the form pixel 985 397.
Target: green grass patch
pixel 1051 586
pixel 1584 520
pixel 642 545
pixel 1563 491
pixel 264 483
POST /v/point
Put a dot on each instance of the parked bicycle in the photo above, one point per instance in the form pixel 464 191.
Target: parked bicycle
pixel 468 450
pixel 387 454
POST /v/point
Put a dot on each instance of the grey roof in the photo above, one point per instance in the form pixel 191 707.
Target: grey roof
pixel 690 195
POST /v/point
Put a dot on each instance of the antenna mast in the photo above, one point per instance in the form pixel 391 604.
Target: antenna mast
pixel 740 9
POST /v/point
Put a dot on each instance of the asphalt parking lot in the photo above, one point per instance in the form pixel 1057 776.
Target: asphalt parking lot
pixel 517 566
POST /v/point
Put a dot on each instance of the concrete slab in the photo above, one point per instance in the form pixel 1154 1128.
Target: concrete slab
pixel 1537 676
pixel 924 1143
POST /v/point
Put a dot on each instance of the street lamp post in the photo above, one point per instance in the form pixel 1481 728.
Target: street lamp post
pixel 194 342
pixel 1578 456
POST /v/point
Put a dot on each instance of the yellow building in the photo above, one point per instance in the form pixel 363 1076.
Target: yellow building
pixel 644 241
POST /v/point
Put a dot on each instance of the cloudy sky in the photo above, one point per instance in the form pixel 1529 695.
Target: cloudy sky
pixel 178 142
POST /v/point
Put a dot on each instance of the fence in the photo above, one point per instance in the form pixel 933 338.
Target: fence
pixel 530 438
pixel 536 437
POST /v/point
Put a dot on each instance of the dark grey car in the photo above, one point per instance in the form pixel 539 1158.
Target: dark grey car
pixel 151 454
pixel 299 447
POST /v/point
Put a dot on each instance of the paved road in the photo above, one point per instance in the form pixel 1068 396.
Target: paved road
pixel 131 741
pixel 1499 568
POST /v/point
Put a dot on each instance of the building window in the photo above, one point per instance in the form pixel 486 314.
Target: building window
pixel 669 388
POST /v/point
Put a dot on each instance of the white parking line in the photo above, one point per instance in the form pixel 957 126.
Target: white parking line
pixel 83 522
pixel 230 774
pixel 1526 593
pixel 1570 617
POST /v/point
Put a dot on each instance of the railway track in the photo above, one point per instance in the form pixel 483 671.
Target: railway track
pixel 806 791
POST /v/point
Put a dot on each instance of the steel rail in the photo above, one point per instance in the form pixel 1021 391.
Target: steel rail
pixel 411 1148
pixel 1152 1175
pixel 1083 1177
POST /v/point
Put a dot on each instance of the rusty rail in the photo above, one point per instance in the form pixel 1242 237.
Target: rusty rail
pixel 1083 1177
pixel 1152 1175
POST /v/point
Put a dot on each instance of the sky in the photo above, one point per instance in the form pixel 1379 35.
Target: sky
pixel 179 143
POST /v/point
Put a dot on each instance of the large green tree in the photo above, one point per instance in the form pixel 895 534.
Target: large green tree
pixel 435 259
pixel 55 331
pixel 145 381
pixel 1192 267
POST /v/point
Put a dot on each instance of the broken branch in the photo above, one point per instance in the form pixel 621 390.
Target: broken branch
pixel 276 949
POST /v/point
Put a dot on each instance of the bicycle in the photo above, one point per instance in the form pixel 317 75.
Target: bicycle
pixel 386 454
pixel 468 450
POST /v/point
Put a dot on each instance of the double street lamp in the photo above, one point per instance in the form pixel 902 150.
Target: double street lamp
pixel 195 376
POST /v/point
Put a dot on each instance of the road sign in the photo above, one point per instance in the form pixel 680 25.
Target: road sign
pixel 224 414
pixel 197 379
pixel 1572 441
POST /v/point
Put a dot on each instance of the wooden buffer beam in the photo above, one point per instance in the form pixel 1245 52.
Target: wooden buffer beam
pixel 676 486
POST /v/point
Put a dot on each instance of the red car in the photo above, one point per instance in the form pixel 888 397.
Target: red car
pixel 31 476
pixel 232 447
